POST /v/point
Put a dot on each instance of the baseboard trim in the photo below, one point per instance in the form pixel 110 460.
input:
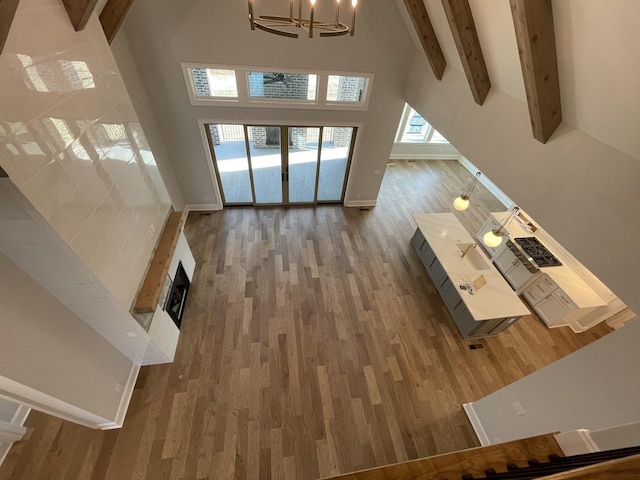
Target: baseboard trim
pixel 18 420
pixel 424 156
pixel 203 207
pixel 483 438
pixel 576 442
pixel 360 203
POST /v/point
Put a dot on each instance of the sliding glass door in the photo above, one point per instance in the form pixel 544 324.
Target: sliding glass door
pixel 302 164
pixel 281 165
pixel 266 164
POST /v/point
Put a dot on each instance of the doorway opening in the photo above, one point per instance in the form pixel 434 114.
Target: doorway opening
pixel 281 165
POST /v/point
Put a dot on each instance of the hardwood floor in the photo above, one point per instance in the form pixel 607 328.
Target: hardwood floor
pixel 313 344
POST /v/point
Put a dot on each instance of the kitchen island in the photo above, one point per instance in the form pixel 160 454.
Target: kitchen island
pixel 480 301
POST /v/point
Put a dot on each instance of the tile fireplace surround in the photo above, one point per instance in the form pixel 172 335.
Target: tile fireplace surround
pixel 85 203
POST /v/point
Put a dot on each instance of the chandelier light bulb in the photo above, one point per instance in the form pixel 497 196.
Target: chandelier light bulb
pixel 461 202
pixel 354 3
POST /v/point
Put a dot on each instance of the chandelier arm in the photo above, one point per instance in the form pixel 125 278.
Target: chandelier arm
pixel 278 25
pixel 275 31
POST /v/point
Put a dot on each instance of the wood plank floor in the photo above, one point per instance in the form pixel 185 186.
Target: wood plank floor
pixel 313 344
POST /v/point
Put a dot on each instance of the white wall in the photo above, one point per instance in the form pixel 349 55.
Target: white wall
pixel 72 143
pixel 584 192
pixel 163 33
pixel 594 388
pixel 46 347
pixel 33 244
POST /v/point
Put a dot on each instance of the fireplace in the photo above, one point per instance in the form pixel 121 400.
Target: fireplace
pixel 178 295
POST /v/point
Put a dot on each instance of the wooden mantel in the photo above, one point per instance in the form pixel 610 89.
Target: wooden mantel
pixel 151 290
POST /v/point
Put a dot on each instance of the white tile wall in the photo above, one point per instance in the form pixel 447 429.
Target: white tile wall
pixel 91 203
pixel 32 243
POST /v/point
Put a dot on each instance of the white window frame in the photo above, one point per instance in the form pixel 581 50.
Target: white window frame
pixel 427 137
pixel 244 100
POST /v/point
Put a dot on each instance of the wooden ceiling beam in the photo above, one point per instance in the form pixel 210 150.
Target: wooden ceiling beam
pixel 113 15
pixel 422 24
pixel 7 12
pixel 533 21
pixel 465 36
pixel 79 12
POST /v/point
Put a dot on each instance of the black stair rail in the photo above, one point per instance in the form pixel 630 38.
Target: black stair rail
pixel 556 464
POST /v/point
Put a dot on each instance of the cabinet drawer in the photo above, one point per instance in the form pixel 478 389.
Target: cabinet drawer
pixel 423 248
pixel 546 283
pixel 438 274
pixel 417 240
pixel 552 310
pixel 466 323
pixel 565 300
pixel 450 294
pixel 539 289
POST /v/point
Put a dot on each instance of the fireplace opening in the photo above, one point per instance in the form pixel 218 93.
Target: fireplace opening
pixel 178 295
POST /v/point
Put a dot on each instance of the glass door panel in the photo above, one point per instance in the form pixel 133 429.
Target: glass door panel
pixel 303 164
pixel 334 158
pixel 266 164
pixel 230 158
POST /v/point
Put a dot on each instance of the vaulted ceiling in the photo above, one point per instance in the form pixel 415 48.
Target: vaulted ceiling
pixel 593 76
pixel 598 68
pixel 533 23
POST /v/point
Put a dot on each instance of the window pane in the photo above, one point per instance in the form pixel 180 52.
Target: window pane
pixel 303 160
pixel 266 164
pixel 336 142
pixel 231 159
pixel 346 89
pixel 437 138
pixel 211 82
pixel 300 86
pixel 416 129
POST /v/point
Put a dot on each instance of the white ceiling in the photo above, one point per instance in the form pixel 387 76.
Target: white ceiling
pixel 598 62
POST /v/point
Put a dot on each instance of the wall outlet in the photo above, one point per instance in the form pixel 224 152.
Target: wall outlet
pixel 118 387
pixel 377 173
pixel 131 334
pixel 152 230
pixel 518 408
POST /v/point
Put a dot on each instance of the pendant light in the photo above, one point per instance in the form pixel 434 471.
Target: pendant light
pixel 493 238
pixel 462 202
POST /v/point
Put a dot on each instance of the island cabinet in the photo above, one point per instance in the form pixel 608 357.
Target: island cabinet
pixel 439 241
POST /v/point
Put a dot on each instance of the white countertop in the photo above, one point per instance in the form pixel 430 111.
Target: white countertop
pixel 567 276
pixel 496 299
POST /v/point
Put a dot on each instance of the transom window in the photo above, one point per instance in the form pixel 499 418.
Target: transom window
pixel 259 87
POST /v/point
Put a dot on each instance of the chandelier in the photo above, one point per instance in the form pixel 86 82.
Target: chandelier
pixel 286 26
